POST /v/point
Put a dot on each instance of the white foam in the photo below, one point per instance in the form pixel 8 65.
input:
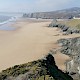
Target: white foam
pixel 9 20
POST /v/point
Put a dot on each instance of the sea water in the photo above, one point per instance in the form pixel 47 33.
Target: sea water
pixel 6 19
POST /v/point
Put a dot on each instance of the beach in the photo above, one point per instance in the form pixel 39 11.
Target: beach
pixel 32 40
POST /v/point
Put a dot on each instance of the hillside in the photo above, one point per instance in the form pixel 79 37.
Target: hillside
pixel 44 69
pixel 62 14
pixel 75 23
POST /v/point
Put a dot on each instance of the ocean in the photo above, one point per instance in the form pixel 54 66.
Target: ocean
pixel 6 19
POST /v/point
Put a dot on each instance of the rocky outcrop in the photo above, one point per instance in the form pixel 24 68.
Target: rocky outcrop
pixel 56 73
pixel 64 28
pixel 70 46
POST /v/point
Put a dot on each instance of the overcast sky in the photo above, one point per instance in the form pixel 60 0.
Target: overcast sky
pixel 36 5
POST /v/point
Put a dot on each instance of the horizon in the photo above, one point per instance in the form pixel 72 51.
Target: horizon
pixel 29 6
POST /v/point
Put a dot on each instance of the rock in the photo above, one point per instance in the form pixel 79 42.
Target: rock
pixel 68 30
pixel 77 31
pixel 53 69
pixel 65 29
pixel 61 26
pixel 70 46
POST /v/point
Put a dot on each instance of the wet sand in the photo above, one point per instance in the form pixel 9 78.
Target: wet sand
pixel 31 40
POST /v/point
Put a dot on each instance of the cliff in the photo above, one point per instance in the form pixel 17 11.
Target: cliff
pixel 44 69
pixel 62 14
pixel 71 47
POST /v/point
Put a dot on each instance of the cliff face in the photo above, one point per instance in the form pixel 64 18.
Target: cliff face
pixel 56 73
pixel 71 47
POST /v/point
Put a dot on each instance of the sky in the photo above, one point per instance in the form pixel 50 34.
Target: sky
pixel 36 5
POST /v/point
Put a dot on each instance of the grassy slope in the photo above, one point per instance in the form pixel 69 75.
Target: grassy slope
pixel 31 67
pixel 71 23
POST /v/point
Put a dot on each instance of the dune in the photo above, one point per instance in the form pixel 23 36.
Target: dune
pixel 31 40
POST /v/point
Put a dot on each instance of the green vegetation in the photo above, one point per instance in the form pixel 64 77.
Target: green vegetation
pixel 67 26
pixel 71 23
pixel 78 26
pixel 44 69
pixel 34 70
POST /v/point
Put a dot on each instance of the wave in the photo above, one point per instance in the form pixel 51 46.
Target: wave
pixel 9 20
pixel 5 25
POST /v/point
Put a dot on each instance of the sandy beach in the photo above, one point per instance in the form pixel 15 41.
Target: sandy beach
pixel 31 40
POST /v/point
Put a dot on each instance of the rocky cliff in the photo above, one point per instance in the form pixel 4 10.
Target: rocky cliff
pixel 44 69
pixel 65 29
pixel 70 46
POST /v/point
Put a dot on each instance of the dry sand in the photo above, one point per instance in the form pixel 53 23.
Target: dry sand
pixel 30 41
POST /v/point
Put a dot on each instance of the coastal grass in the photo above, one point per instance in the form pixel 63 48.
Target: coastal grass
pixel 71 23
pixel 30 67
